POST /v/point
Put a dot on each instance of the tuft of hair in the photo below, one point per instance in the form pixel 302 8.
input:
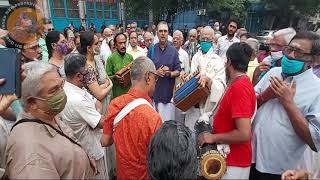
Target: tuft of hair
pixel 239 54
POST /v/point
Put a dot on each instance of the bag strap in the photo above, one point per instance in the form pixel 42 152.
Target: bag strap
pixel 128 108
pixel 41 122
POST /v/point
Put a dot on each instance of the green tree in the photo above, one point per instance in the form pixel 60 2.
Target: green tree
pixel 225 9
pixel 286 11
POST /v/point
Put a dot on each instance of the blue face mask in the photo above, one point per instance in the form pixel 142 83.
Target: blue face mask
pixel 205 46
pixel 291 67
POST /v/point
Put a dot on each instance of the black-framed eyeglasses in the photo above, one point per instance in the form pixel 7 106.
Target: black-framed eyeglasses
pixel 156 76
pixel 298 53
pixel 50 29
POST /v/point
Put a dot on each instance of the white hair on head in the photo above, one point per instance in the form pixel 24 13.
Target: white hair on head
pixel 287 34
pixel 208 29
pixel 141 65
pixel 178 33
pixel 318 31
pixel 34 71
pixel 254 44
pixel 148 33
pixel 162 23
pixel 192 31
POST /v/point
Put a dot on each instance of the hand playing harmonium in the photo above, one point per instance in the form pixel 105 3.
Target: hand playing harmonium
pixel 190 92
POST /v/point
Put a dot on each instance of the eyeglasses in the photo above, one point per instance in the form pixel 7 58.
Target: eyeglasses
pixel 156 76
pixel 50 29
pixel 298 54
pixel 275 46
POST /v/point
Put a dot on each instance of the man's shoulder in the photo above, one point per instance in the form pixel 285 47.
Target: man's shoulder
pixel 222 38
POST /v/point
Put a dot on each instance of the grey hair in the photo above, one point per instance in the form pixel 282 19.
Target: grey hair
pixel 318 31
pixel 178 33
pixel 162 23
pixel 209 29
pixel 254 44
pixel 140 67
pixel 148 33
pixel 287 34
pixel 34 71
pixel 192 31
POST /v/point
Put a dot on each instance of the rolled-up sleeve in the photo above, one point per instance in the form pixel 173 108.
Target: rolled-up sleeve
pixel 313 116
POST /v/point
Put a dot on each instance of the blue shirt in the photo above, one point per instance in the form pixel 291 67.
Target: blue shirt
pixel 168 57
pixel 276 146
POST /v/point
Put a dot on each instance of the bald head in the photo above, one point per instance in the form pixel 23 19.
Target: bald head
pixel 192 35
pixel 148 39
pixel 107 33
pixel 207 34
pixel 177 39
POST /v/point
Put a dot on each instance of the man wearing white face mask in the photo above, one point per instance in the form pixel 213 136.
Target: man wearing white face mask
pixel 280 39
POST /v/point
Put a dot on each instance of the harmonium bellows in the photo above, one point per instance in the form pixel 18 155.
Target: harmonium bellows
pixel 124 73
pixel 189 92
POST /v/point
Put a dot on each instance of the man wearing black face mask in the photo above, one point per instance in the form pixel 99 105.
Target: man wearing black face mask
pixel 287 121
pixel 117 61
pixel 80 112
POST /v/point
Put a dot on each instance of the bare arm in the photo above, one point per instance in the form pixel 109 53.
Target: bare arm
pixel 241 134
pixel 100 91
pixel 106 140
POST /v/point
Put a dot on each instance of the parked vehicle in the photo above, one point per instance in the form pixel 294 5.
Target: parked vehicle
pixel 264 35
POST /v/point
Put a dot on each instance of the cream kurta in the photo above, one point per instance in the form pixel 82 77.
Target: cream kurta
pixel 212 66
pixel 36 151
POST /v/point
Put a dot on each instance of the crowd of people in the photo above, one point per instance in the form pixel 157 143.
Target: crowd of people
pixel 77 118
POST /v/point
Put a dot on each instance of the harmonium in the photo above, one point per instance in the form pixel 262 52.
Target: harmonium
pixel 190 92
pixel 124 73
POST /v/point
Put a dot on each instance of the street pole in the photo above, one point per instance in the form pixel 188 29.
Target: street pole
pixel 150 12
pixel 122 13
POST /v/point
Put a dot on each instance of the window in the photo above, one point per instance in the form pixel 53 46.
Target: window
pixel 58 8
pixel 73 9
pixel 90 7
pixel 107 7
pixel 99 9
pixel 114 10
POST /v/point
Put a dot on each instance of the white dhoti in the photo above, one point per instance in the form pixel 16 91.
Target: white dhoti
pixel 237 173
pixel 166 111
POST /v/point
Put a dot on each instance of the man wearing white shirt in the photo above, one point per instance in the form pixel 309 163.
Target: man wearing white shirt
pixel 183 55
pixel 212 74
pixel 105 50
pixel 227 40
pixel 134 49
pixel 81 114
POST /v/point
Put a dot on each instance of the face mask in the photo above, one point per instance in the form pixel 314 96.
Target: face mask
pixel 56 103
pixel 205 46
pixel 276 55
pixel 62 48
pixel 291 67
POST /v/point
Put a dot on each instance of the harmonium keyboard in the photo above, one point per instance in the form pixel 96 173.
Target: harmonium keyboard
pixel 124 73
pixel 189 92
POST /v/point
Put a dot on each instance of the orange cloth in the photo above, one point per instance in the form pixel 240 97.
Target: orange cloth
pixel 132 135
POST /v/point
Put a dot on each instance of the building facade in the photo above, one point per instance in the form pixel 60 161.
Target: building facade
pixel 76 12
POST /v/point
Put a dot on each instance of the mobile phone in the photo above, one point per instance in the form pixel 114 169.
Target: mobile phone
pixel 10 70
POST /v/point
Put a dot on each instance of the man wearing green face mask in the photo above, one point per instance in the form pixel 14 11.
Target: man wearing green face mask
pixel 212 74
pixel 289 100
pixel 41 146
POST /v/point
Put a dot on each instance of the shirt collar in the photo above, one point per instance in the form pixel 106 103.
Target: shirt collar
pixel 301 77
pixel 165 47
pixel 138 94
pixel 230 40
pixel 74 88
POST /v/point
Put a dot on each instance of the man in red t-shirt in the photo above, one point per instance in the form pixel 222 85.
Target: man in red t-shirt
pixel 232 122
